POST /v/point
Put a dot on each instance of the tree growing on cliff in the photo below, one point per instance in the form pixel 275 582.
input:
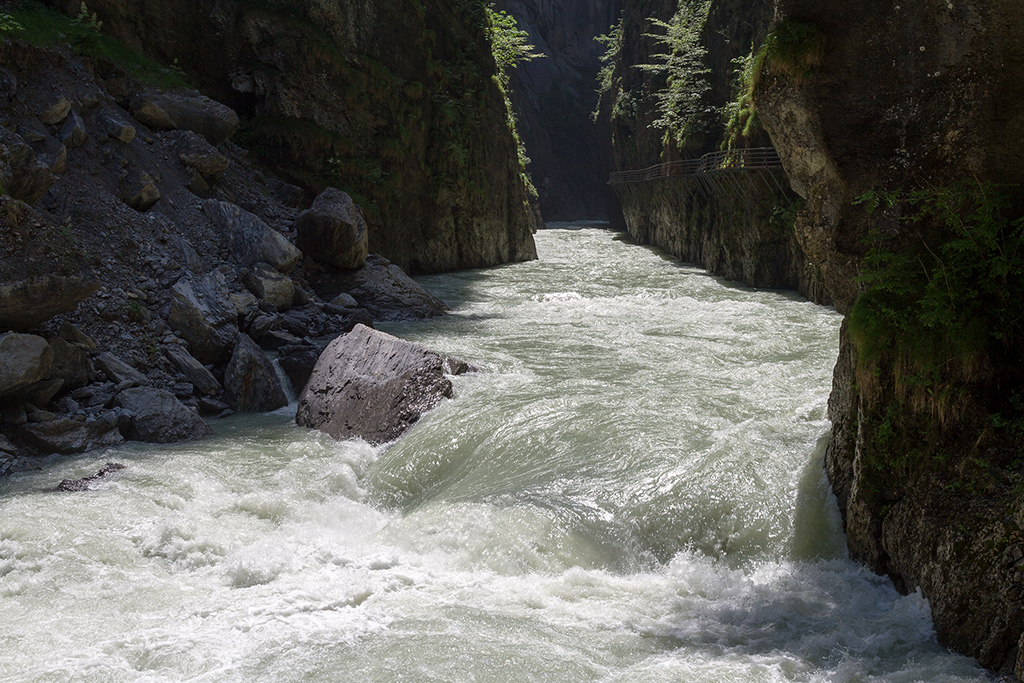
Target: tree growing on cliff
pixel 508 43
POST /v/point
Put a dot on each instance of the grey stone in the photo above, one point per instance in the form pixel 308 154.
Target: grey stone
pixel 156 416
pixel 389 294
pixel 118 371
pixel 209 165
pixel 73 133
pixel 344 300
pixel 194 371
pixel 213 120
pixel 85 483
pixel 66 435
pixel 68 332
pixel 6 446
pixel 275 339
pixel 70 363
pixel 112 125
pixel 23 176
pixel 244 302
pixel 24 360
pixel 202 313
pixel 250 239
pixel 56 112
pixel 270 286
pixel 297 362
pixel 333 231
pixel 211 406
pixel 370 385
pixel 251 381
pixel 139 191
pixel 43 391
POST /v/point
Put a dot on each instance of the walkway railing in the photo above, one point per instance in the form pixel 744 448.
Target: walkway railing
pixel 713 171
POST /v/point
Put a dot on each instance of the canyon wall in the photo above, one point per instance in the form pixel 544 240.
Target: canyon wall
pixel 392 101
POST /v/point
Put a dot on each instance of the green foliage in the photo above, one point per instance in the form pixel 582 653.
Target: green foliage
pixel 508 43
pixel 741 120
pixel 9 24
pixel 612 42
pixel 680 101
pixel 939 308
pixel 792 50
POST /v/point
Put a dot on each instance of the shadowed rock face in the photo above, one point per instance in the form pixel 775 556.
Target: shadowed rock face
pixel 370 385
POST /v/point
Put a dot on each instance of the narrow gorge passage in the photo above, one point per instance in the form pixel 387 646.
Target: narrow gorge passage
pixel 632 492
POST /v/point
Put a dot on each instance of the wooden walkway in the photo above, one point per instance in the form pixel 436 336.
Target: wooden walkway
pixel 732 170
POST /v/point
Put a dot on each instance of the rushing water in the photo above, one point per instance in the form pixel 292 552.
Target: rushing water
pixel 632 492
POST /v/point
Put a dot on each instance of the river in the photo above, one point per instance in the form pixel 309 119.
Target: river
pixel 633 491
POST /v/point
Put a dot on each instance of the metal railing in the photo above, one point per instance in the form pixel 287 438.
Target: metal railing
pixel 706 169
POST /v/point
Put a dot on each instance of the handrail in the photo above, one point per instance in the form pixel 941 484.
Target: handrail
pixel 753 158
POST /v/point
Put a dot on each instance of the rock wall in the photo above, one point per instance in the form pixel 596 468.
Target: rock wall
pixel 554 98
pixel 911 96
pixel 390 101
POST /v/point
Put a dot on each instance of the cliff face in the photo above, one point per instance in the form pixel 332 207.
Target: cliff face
pixel 741 236
pixel 392 101
pixel 927 467
pixel 554 98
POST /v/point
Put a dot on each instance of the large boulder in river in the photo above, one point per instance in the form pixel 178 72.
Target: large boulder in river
pixel 250 239
pixel 211 119
pixel 25 359
pixel 370 385
pixel 26 304
pixel 333 230
pixel 202 313
pixel 158 417
pixel 384 290
pixel 251 381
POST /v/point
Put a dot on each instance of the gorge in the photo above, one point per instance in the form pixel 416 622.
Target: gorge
pixel 672 502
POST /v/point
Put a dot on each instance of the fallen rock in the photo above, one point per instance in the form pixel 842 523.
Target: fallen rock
pixel 251 240
pixel 112 125
pixel 297 361
pixel 270 286
pixel 85 483
pixel 333 231
pixel 26 304
pixel 139 191
pixel 156 416
pixel 202 313
pixel 194 371
pixel 69 333
pixel 23 176
pixel 370 385
pixel 251 381
pixel 214 121
pixel 25 359
pixel 42 392
pixel 70 363
pixel 56 112
pixel 73 133
pixel 389 294
pixel 344 300
pixel 66 435
pixel 118 371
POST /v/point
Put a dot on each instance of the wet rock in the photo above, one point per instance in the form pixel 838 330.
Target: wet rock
pixel 389 294
pixel 275 339
pixel 156 416
pixel 201 312
pixel 270 286
pixel 370 385
pixel 73 133
pixel 85 483
pixel 344 300
pixel 251 240
pixel 297 361
pixel 194 371
pixel 23 176
pixel 211 406
pixel 213 120
pixel 56 112
pixel 25 359
pixel 118 372
pixel 333 231
pixel 70 363
pixel 251 381
pixel 66 435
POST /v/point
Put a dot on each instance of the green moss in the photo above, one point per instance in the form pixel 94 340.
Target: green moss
pixel 792 50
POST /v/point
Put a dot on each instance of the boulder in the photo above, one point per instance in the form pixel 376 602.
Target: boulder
pixel 270 286
pixel 73 133
pixel 389 294
pixel 194 371
pixel 42 392
pixel 69 333
pixel 214 121
pixel 112 125
pixel 66 435
pixel 297 361
pixel 139 191
pixel 56 112
pixel 333 231
pixel 251 380
pixel 23 176
pixel 26 304
pixel 202 313
pixel 118 371
pixel 85 483
pixel 251 240
pixel 344 300
pixel 25 359
pixel 370 385
pixel 70 363
pixel 156 416
pixel 210 165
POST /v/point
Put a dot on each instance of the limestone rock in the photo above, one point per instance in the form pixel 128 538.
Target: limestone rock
pixel 66 435
pixel 250 239
pixel 213 120
pixel 112 125
pixel 70 363
pixel 270 286
pixel 24 360
pixel 333 231
pixel 201 378
pixel 158 417
pixel 118 371
pixel 56 112
pixel 70 333
pixel 73 133
pixel 390 295
pixel 139 191
pixel 23 175
pixel 26 304
pixel 370 385
pixel 202 314
pixel 251 381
